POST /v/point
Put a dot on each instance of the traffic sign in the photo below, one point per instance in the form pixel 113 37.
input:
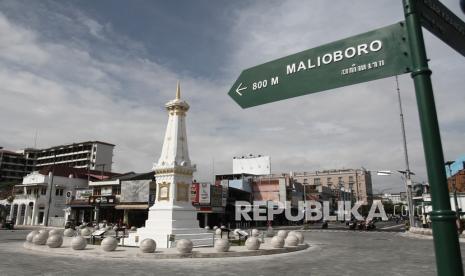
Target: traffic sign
pixel 443 23
pixel 373 55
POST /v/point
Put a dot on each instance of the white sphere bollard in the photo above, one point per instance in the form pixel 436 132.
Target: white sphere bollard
pixel 40 238
pixel 109 244
pixel 184 246
pixel 282 234
pixel 108 228
pixel 82 226
pixel 68 232
pixel 291 240
pixel 115 228
pixel 221 245
pixel 252 243
pixel 218 232
pixel 148 246
pixel 277 242
pixel 78 243
pixel 133 229
pixel 54 241
pixel 299 235
pixel 215 227
pixel 223 227
pixel 207 227
pixel 255 232
pixel 85 232
pixel 31 235
pixel 55 232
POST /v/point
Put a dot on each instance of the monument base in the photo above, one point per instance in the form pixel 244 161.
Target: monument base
pixel 168 224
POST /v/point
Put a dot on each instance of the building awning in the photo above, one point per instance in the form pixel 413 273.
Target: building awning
pixel 132 206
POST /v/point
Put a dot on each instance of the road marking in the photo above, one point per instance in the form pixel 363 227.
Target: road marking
pixel 395 226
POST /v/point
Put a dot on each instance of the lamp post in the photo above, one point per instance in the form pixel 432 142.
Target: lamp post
pixel 408 188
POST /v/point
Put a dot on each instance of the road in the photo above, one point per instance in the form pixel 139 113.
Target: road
pixel 331 253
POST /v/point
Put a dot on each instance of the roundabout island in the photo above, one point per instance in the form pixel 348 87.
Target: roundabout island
pixel 77 245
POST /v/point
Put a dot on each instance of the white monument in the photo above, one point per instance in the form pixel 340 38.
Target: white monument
pixel 173 213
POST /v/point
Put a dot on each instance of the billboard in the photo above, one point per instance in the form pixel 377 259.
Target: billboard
pixel 254 165
pixel 225 186
pixel 204 193
pixel 83 194
pixel 135 191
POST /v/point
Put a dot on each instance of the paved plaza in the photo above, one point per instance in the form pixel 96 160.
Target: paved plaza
pixel 331 253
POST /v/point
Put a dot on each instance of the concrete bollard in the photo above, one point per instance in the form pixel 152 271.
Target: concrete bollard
pixel 148 246
pixel 54 241
pixel 78 243
pixel 184 246
pixel 221 245
pixel 252 243
pixel 277 242
pixel 109 244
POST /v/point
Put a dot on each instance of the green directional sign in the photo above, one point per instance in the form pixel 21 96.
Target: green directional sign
pixel 373 55
pixel 443 23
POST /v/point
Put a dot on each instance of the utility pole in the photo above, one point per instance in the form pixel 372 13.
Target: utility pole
pixel 408 180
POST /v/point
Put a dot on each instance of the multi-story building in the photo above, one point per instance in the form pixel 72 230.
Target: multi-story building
pixel 353 181
pixel 14 165
pixel 93 155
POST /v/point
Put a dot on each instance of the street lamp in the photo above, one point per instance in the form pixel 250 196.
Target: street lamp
pixel 408 187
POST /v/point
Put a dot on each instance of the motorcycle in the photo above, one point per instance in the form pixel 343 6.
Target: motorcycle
pixel 370 225
pixel 352 225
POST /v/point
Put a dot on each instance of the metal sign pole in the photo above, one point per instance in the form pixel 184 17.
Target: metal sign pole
pixel 446 243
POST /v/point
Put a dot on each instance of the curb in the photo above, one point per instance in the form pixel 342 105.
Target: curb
pixel 160 255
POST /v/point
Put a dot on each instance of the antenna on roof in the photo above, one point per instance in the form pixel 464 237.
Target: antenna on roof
pixel 35 138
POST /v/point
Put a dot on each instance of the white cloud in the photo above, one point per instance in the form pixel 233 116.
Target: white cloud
pixel 98 84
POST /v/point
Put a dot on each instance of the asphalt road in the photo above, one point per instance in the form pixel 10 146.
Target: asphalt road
pixel 332 253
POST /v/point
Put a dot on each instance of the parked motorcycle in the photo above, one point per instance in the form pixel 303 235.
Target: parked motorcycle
pixel 370 225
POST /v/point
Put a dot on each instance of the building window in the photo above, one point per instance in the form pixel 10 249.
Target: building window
pixel 59 192
pixel 28 191
pixel 43 191
pixel 116 190
pixel 97 191
pixel 317 181
pixel 329 180
pixel 305 181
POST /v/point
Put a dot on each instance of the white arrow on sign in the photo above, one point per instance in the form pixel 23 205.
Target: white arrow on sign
pixel 239 89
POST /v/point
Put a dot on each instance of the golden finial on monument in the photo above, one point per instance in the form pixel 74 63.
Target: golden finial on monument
pixel 178 91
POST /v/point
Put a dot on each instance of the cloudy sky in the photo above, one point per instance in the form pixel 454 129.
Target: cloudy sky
pixel 103 70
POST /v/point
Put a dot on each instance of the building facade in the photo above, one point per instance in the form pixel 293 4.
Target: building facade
pixel 353 181
pixel 14 165
pixel 41 198
pixel 92 155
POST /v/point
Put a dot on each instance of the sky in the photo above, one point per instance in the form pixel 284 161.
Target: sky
pixel 102 70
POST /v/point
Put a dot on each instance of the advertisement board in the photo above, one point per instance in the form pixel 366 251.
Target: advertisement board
pixel 255 165
pixel 204 193
pixel 135 191
pixel 225 186
pixel 83 194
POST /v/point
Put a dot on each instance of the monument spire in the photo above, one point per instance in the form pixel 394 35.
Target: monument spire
pixel 178 91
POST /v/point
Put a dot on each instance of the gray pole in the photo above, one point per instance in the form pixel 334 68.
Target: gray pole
pixel 408 181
